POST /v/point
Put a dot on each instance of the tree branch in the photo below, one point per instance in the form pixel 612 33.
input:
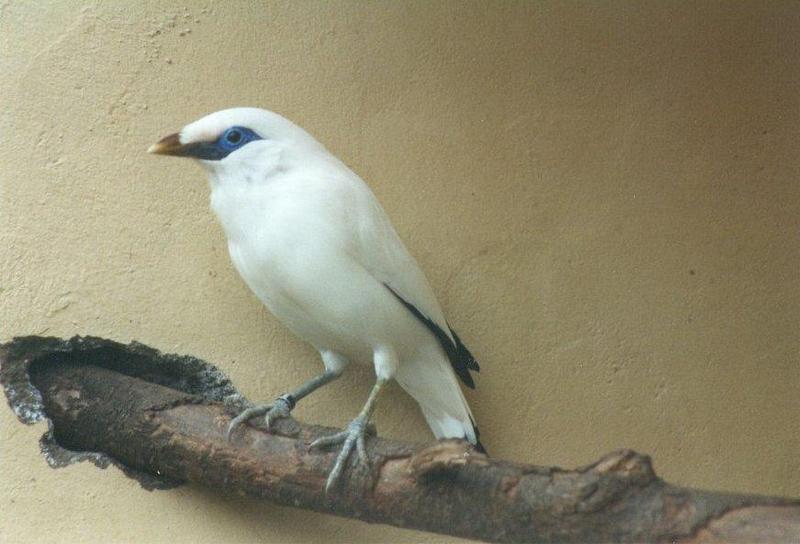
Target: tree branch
pixel 160 415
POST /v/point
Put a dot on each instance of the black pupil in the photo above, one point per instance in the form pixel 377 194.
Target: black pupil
pixel 234 136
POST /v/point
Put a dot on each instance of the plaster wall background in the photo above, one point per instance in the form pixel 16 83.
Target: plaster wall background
pixel 604 196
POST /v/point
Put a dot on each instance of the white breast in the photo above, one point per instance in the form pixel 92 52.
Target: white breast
pixel 316 248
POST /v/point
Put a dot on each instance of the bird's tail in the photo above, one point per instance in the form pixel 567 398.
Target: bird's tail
pixel 433 384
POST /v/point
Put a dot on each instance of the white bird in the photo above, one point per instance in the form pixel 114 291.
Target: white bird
pixel 311 240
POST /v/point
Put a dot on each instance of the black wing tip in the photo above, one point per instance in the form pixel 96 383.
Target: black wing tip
pixel 478 444
pixel 457 353
pixel 465 376
pixel 466 356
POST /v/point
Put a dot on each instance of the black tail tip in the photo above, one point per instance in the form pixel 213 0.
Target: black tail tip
pixel 480 448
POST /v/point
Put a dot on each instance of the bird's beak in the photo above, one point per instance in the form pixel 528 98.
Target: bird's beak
pixel 169 145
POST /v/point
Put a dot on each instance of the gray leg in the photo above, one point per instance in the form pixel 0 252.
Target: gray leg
pixel 284 404
pixel 354 436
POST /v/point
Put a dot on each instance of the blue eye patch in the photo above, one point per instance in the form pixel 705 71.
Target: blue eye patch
pixel 228 142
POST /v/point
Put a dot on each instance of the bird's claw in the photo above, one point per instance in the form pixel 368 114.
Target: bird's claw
pixel 281 408
pixel 354 436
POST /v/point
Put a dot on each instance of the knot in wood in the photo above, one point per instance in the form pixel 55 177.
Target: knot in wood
pixel 443 457
pixel 627 465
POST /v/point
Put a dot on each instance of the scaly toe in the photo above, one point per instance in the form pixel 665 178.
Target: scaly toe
pixel 245 416
pixel 353 437
pixel 362 450
pixel 330 440
pixel 338 467
pixel 280 409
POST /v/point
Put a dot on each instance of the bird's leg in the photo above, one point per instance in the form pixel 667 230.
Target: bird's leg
pixel 353 436
pixel 283 405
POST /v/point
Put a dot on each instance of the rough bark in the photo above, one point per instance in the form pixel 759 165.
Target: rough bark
pixel 135 405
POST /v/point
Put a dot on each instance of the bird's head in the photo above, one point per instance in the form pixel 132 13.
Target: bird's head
pixel 228 140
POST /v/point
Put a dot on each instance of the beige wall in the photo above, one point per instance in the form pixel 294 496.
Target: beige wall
pixel 605 196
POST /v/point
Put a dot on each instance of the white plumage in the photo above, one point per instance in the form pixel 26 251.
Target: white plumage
pixel 311 240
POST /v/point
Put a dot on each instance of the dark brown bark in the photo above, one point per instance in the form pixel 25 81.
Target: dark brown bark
pixel 444 487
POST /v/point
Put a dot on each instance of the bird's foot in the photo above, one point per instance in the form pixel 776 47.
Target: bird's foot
pixel 353 436
pixel 282 407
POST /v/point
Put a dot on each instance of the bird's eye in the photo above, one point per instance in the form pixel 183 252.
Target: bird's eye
pixel 233 136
